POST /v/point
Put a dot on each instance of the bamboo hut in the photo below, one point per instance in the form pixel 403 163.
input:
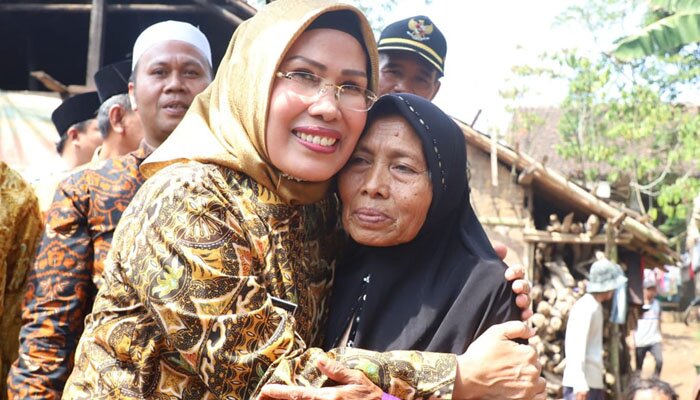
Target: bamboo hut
pixel 555 228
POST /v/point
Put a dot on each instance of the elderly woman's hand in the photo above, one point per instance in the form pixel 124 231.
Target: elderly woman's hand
pixel 521 287
pixel 496 367
pixel 353 384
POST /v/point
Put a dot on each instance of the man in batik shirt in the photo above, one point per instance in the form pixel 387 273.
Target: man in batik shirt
pixel 78 137
pixel 119 124
pixel 20 228
pixel 175 65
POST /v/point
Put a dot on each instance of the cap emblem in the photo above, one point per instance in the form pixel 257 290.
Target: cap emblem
pixel 419 30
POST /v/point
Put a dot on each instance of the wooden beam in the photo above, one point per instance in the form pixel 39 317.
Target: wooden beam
pixel 49 81
pixel 498 221
pixel 220 12
pixel 95 40
pixel 526 176
pixel 556 237
pixel 37 7
pixel 242 8
pixel 554 182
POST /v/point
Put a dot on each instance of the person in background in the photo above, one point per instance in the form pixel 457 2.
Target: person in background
pixel 649 389
pixel 647 337
pixel 20 229
pixel 119 124
pixel 171 65
pixel 77 128
pixel 412 55
pixel 79 136
pixel 583 344
pixel 692 243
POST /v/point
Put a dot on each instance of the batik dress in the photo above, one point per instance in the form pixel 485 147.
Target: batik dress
pixel 20 228
pixel 215 287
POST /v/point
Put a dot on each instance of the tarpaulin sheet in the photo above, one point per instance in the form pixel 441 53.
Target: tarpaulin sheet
pixel 27 135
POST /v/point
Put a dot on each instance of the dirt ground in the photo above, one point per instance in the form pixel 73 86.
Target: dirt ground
pixel 681 352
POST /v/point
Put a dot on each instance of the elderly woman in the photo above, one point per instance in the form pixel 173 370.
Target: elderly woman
pixel 420 272
pixel 221 266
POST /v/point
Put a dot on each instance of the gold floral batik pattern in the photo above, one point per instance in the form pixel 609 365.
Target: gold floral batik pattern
pixel 188 308
pixel 20 228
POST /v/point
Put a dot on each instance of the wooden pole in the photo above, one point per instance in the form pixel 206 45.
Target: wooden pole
pixel 65 7
pixel 611 254
pixel 494 159
pixel 242 8
pixel 95 40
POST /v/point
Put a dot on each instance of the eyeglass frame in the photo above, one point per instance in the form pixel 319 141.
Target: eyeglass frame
pixel 370 96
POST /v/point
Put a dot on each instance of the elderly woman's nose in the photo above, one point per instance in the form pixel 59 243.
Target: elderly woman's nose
pixel 376 181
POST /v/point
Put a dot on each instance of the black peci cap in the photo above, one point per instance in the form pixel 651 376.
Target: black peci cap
pixel 113 79
pixel 418 35
pixel 75 109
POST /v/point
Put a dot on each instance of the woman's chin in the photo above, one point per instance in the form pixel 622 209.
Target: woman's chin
pixel 374 239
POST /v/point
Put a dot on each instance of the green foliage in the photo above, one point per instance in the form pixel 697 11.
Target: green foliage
pixel 667 35
pixel 674 6
pixel 623 120
pixel 670 25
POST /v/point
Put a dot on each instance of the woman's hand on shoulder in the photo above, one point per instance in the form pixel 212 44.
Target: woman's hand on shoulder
pixel 521 288
pixel 352 384
pixel 496 367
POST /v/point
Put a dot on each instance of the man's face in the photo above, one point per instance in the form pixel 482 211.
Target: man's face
pixel 167 78
pixel 406 72
pixel 86 141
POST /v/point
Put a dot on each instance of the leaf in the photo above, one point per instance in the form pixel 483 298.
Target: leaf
pixel 665 36
pixel 675 6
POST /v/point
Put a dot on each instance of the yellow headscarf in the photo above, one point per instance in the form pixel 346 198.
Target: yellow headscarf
pixel 226 123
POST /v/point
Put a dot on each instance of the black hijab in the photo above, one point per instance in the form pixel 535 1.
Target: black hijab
pixel 440 291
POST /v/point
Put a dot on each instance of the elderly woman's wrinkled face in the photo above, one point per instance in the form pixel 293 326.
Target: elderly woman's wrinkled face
pixel 311 137
pixel 385 187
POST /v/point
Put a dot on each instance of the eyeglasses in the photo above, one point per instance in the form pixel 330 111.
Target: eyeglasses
pixel 349 97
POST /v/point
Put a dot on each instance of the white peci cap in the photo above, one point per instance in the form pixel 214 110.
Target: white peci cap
pixel 166 31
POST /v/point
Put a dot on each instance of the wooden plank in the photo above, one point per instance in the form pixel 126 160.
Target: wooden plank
pixel 220 12
pixel 49 81
pixel 242 8
pixel 95 40
pixel 513 222
pixel 556 237
pixel 28 7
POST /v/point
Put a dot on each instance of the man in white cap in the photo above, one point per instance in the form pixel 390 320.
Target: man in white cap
pixel 583 346
pixel 171 65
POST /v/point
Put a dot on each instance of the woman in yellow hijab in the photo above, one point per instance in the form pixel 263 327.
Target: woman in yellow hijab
pixel 221 266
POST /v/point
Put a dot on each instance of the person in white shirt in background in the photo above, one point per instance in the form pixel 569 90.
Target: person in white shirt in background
pixel 647 336
pixel 583 346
